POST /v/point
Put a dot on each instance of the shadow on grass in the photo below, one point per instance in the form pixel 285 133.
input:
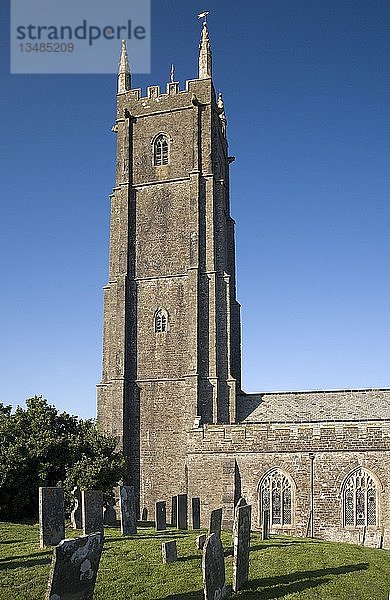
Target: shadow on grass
pixel 11 563
pixel 186 596
pixel 191 557
pixel 11 541
pixel 264 546
pixel 282 585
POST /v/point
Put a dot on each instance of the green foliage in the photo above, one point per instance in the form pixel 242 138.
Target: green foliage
pixel 42 447
pixel 131 567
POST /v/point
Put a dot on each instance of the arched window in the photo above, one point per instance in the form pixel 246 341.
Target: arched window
pixel 161 321
pixel 360 503
pixel 275 491
pixel 161 150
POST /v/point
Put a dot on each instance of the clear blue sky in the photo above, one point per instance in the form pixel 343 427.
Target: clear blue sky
pixel 307 90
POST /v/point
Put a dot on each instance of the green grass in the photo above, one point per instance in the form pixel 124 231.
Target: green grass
pixel 131 567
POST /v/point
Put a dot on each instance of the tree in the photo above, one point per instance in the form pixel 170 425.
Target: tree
pixel 41 447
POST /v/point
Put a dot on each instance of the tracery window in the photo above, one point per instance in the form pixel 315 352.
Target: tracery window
pixel 161 150
pixel 360 505
pixel 276 497
pixel 161 321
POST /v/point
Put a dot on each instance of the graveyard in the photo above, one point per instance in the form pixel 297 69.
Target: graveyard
pixel 132 567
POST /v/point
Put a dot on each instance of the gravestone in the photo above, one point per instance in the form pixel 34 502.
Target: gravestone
pixel 174 511
pixel 109 514
pixel 182 513
pixel 76 516
pixel 92 502
pixel 161 516
pixel 265 525
pixel 216 522
pixel 195 513
pixel 241 502
pixel 169 551
pixel 127 510
pixel 200 541
pixel 213 567
pixel 51 516
pixel 144 515
pixel 241 546
pixel 74 568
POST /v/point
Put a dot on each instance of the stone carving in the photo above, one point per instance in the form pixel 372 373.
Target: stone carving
pixel 200 541
pixel 195 513
pixel 241 546
pixel 213 567
pixel 92 502
pixel 169 551
pixel 76 516
pixel 182 513
pixel 174 511
pixel 127 510
pixel 161 516
pixel 216 522
pixel 51 516
pixel 74 568
pixel 109 514
pixel 265 525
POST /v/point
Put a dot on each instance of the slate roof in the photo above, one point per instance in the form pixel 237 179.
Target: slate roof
pixel 314 406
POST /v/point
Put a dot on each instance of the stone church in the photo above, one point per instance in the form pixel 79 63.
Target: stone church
pixel 171 386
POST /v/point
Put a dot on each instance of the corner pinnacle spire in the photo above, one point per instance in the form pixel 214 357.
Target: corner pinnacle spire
pixel 124 78
pixel 205 55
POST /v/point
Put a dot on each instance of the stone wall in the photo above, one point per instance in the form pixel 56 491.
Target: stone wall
pixel 338 449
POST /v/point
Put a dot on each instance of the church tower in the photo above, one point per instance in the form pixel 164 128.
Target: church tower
pixel 171 347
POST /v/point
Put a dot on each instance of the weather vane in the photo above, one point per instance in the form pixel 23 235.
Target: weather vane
pixel 203 16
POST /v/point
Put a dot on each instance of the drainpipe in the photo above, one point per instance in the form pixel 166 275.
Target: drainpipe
pixel 311 456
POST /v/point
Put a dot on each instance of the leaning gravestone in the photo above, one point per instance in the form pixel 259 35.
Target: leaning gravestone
pixel 182 513
pixel 75 515
pixel 241 546
pixel 213 567
pixel 265 525
pixel 127 510
pixel 51 516
pixel 74 568
pixel 216 522
pixel 195 513
pixel 92 501
pixel 174 511
pixel 161 516
pixel 169 551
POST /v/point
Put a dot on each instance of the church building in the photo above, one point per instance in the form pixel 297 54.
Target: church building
pixel 318 461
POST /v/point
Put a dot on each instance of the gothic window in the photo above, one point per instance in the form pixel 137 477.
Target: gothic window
pixel 360 505
pixel 161 321
pixel 160 150
pixel 276 497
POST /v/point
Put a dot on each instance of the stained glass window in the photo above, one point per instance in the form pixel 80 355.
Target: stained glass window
pixel 359 499
pixel 276 497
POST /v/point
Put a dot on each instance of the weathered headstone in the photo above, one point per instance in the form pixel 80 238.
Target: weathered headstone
pixel 74 568
pixel 174 511
pixel 216 522
pixel 241 546
pixel 128 510
pixel 169 551
pixel 144 514
pixel 195 513
pixel 76 516
pixel 182 512
pixel 200 541
pixel 241 502
pixel 213 567
pixel 109 514
pixel 265 525
pixel 92 501
pixel 161 516
pixel 51 516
